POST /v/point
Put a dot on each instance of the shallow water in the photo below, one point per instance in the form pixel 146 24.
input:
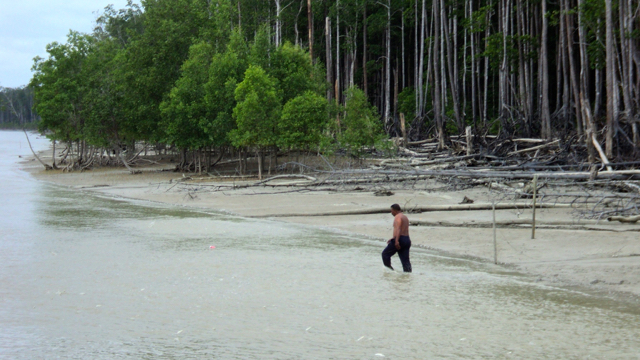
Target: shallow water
pixel 88 277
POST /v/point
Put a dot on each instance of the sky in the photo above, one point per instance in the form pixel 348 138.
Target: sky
pixel 27 26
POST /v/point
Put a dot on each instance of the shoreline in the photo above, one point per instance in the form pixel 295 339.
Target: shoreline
pixel 567 251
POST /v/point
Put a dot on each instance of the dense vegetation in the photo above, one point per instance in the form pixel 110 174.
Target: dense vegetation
pixel 258 75
pixel 16 108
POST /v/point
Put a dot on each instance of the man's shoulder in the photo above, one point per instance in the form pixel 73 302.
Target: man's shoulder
pixel 401 216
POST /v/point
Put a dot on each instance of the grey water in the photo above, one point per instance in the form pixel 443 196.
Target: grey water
pixel 90 277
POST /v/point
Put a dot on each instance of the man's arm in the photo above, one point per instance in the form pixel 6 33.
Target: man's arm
pixel 397 225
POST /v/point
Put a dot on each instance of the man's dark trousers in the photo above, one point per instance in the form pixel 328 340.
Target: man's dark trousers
pixel 403 253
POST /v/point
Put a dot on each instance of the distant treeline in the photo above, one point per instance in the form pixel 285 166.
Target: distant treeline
pixel 303 74
pixel 16 108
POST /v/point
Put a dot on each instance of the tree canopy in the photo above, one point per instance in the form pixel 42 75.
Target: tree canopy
pixel 251 73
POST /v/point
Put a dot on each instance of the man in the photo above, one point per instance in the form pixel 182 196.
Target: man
pixel 400 242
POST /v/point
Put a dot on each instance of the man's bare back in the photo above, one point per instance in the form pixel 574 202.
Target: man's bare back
pixel 400 243
pixel 401 224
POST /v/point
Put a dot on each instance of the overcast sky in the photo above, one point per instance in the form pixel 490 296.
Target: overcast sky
pixel 27 26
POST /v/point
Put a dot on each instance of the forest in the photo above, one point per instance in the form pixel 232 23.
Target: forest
pixel 208 77
pixel 16 108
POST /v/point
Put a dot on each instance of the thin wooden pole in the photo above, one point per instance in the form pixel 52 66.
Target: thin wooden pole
pixel 495 243
pixel 535 193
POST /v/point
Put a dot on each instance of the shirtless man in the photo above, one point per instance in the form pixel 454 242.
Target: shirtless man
pixel 400 242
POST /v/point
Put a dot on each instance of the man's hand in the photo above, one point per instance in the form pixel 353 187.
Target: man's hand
pixel 397 245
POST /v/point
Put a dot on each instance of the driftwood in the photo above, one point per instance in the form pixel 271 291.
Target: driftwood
pixel 288 176
pixel 419 209
pixel 624 219
pixel 535 148
pixel 444 160
pixel 596 144
pixel 421 142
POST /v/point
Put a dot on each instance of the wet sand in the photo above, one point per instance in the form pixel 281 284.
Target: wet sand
pixel 569 251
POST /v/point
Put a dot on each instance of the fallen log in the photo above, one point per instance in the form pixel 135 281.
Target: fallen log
pixel 591 225
pixel 421 142
pixel 288 176
pixel 624 219
pixel 603 157
pixel 444 160
pixel 485 173
pixel 535 148
pixel 501 223
pixel 420 209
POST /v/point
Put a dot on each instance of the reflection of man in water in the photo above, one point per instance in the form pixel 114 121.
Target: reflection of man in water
pixel 400 242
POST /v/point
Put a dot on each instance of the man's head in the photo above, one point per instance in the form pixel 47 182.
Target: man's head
pixel 395 209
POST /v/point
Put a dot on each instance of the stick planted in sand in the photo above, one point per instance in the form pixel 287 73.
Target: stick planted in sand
pixel 535 193
pixel 495 243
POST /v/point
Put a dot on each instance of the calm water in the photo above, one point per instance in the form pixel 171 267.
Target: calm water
pixel 86 277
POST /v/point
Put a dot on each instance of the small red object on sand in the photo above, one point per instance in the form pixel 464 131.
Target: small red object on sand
pixel 212 247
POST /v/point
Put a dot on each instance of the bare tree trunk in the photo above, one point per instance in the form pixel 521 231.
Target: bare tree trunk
pixel 402 31
pixel 278 23
pixel 597 112
pixel 295 25
pixel 612 84
pixel 387 89
pixel 504 18
pixel 420 83
pixel 310 25
pixel 259 154
pixel 473 67
pixel 395 92
pixel 572 68
pixel 338 52
pixel 522 91
pixel 565 74
pixel 53 157
pixel 327 34
pixel 416 81
pixel 543 75
pixel 626 75
pixel 589 124
pixel 364 49
pixel 452 69
pixel 436 91
pixel 486 70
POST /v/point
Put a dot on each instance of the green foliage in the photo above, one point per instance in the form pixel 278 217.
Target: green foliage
pixel 226 71
pixel 291 66
pixel 592 12
pixel 302 122
pixel 153 60
pixel 186 109
pixel 361 125
pixel 261 49
pixel 105 124
pixel 257 110
pixel 58 84
pixel 407 104
pixel 121 25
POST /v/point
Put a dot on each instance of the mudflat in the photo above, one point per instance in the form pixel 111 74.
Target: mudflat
pixel 568 249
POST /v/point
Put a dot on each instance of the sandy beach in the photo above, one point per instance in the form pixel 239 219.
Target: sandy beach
pixel 567 250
